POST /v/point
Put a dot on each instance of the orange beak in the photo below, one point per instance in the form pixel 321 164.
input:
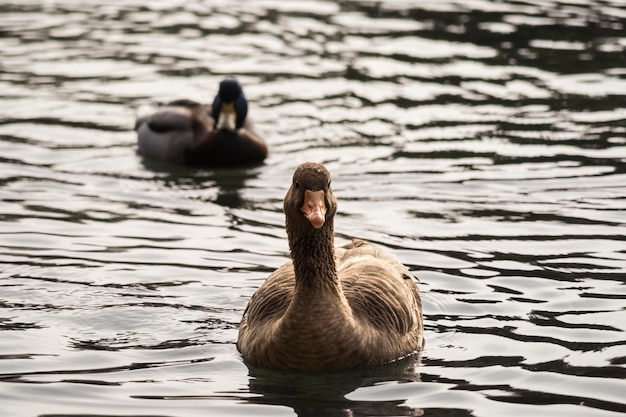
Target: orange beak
pixel 314 207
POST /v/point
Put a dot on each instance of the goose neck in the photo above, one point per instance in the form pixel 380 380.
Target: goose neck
pixel 313 256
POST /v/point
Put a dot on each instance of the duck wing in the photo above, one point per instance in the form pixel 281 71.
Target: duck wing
pixel 176 116
pixel 169 119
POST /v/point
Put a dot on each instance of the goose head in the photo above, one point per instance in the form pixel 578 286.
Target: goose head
pixel 310 203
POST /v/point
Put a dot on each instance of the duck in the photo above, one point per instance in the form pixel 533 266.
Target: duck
pixel 186 132
pixel 329 308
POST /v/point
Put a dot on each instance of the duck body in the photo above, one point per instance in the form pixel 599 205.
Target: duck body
pixel 185 132
pixel 329 308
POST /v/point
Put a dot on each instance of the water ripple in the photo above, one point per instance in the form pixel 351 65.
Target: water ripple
pixel 483 143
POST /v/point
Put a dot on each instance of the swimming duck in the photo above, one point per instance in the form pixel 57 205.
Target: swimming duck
pixel 329 308
pixel 189 133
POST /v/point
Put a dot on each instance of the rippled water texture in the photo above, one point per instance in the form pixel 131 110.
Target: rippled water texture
pixel 484 142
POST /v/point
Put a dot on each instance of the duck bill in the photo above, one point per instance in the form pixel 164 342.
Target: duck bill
pixel 314 207
pixel 227 119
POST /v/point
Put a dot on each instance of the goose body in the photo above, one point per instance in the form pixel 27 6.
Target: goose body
pixel 188 133
pixel 329 308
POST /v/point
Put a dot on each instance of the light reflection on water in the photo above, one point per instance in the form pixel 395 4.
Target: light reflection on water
pixel 482 142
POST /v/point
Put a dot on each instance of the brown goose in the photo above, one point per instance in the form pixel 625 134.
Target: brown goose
pixel 329 308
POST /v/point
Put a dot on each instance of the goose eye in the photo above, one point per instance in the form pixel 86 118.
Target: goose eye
pixel 297 184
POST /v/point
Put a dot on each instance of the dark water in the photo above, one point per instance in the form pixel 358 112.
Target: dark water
pixel 484 142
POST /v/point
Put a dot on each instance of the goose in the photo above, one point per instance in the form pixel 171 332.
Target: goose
pixel 327 308
pixel 188 133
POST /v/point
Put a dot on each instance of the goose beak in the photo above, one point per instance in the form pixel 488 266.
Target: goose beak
pixel 227 118
pixel 314 207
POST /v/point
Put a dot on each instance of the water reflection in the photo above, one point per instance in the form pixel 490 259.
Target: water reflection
pixel 225 183
pixel 325 394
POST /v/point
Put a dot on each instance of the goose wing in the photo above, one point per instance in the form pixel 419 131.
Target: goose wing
pixel 379 289
pixel 269 302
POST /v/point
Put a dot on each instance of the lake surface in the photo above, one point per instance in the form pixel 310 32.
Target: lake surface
pixel 483 142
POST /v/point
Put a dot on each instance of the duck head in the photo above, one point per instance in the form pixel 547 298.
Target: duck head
pixel 310 203
pixel 230 106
